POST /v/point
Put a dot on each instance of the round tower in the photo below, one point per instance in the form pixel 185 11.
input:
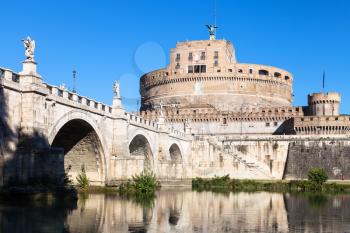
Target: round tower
pixel 324 104
pixel 206 72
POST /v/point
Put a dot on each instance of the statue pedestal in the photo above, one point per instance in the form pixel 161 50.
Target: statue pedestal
pixel 117 107
pixel 29 74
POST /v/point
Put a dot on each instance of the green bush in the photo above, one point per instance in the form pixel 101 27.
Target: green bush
pixel 83 180
pixel 317 176
pixel 143 184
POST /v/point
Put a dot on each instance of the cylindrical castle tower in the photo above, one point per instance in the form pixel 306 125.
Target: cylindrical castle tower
pixel 206 72
pixel 324 104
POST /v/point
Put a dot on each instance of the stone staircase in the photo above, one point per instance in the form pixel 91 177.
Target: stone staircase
pixel 254 166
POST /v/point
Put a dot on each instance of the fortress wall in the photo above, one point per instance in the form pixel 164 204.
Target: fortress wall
pixel 331 155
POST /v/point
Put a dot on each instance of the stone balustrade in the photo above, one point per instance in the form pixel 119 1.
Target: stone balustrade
pixel 82 100
pixel 9 75
pixel 140 121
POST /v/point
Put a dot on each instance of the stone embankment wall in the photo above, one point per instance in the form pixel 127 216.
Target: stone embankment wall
pixel 331 155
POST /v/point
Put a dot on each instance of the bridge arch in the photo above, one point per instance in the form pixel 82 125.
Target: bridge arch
pixel 175 153
pixel 175 168
pixel 83 144
pixel 140 146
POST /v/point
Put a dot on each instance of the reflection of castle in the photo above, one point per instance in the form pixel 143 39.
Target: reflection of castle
pixel 204 84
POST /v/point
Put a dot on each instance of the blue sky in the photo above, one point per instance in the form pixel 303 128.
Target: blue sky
pixel 109 40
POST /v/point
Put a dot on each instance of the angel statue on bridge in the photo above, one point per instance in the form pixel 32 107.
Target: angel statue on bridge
pixel 116 88
pixel 29 45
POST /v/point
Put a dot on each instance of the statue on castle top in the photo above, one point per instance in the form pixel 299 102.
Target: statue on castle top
pixel 212 30
pixel 29 45
pixel 116 88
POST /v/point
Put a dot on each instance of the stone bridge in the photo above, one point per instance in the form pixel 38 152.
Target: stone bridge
pixel 106 141
pixel 47 130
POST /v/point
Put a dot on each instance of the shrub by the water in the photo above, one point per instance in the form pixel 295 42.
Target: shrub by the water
pixel 143 184
pixel 225 184
pixel 82 179
pixel 317 176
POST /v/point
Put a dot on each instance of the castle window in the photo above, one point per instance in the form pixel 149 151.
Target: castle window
pixel 203 56
pixel 286 77
pixel 224 121
pixel 250 71
pixel 275 123
pixel 263 72
pixel 277 75
pixel 203 68
pixel 190 56
pixel 229 70
pixel 177 57
pixel 197 69
pixel 216 63
pixel 200 69
pixel 240 71
pixel 177 66
pixel 216 54
pixel 190 69
pixel 336 118
pixel 267 124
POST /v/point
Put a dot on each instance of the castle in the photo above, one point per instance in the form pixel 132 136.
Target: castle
pixel 205 85
pixel 204 115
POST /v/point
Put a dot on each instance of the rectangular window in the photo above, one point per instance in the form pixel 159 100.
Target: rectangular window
pixel 203 56
pixel 197 69
pixel 190 57
pixel 216 54
pixel 267 124
pixel 177 57
pixel 177 66
pixel 275 123
pixel 216 63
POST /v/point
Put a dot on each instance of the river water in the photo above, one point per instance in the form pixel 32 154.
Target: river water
pixel 177 210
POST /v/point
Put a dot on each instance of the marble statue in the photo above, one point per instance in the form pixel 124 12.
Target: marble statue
pixel 29 45
pixel 116 88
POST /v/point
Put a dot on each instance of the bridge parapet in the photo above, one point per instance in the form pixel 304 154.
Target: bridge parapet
pixel 9 75
pixel 140 121
pixel 176 133
pixel 74 98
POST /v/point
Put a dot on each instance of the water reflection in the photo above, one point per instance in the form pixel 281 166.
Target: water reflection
pixel 186 211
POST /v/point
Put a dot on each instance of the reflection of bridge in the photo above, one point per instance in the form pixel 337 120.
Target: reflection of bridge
pixel 107 141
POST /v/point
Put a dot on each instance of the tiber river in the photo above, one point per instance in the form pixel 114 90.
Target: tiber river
pixel 176 210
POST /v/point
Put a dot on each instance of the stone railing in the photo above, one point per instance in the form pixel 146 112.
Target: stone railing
pixel 9 75
pixel 174 132
pixel 140 121
pixel 66 95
